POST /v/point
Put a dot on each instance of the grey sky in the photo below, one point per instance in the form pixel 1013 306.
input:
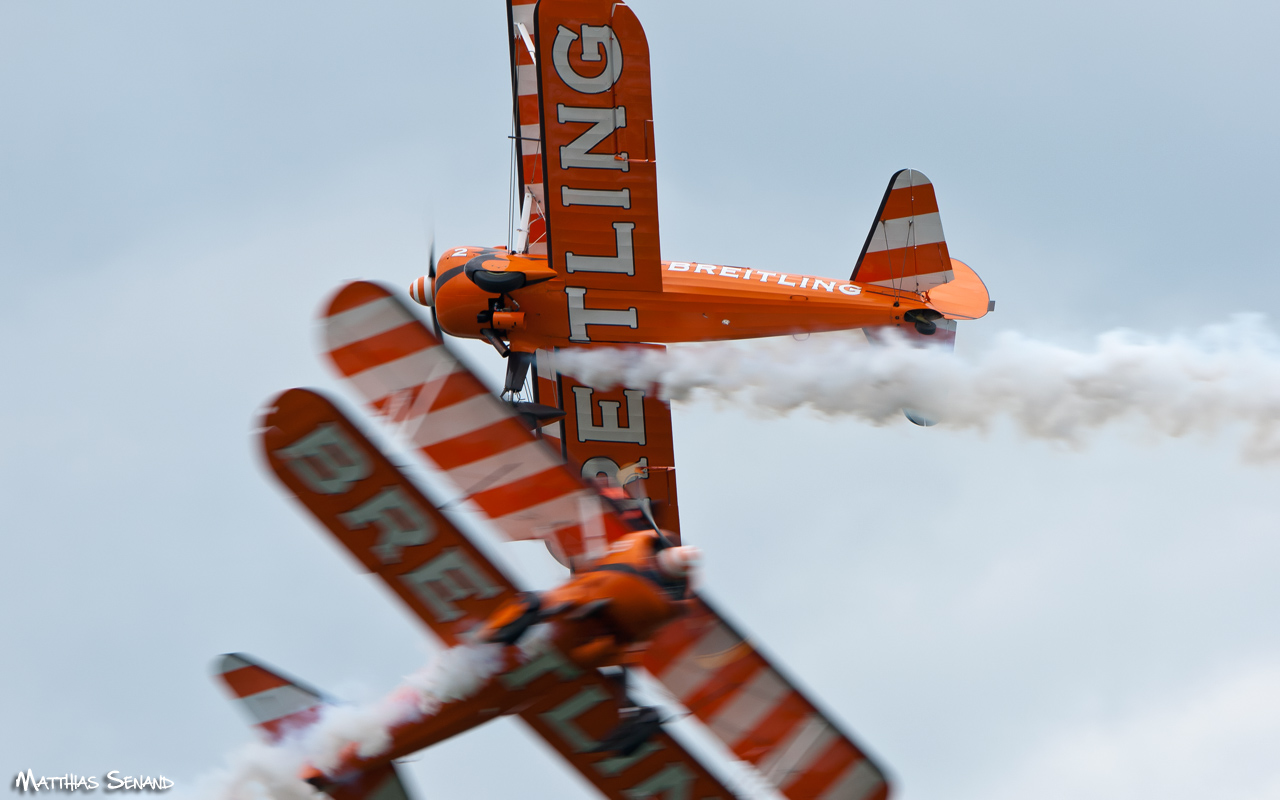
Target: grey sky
pixel 182 185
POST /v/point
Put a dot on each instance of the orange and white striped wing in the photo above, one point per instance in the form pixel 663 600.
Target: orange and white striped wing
pixel 758 713
pixel 408 376
pixel 524 85
pixel 274 704
pixel 906 249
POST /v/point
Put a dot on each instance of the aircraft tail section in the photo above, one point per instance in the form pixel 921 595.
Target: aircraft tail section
pixel 906 249
pixel 279 706
pixel 275 704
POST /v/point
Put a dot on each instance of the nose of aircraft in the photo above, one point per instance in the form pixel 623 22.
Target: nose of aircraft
pixel 421 291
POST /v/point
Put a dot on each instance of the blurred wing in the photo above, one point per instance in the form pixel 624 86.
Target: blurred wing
pixel 574 716
pixel 391 528
pixel 624 434
pixel 906 248
pixel 406 375
pixel 758 713
pixel 597 124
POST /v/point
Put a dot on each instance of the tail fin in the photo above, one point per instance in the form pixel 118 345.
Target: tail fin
pixel 278 705
pixel 906 248
pixel 275 704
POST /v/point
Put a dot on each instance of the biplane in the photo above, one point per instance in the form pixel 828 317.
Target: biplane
pixel 583 268
pixel 559 659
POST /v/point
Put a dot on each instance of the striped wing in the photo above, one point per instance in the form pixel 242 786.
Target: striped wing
pixel 758 713
pixel 406 375
pixel 377 513
pixel 905 248
pixel 532 234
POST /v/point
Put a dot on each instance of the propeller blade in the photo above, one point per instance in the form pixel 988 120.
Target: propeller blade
pixel 431 275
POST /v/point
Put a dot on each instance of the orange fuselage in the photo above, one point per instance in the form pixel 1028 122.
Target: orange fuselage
pixel 697 302
pixel 600 615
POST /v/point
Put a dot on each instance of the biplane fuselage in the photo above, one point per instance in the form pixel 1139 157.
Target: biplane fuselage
pixel 598 617
pixel 697 302
pixel 584 262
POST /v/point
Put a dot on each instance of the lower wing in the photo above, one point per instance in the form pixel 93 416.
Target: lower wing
pixel 757 712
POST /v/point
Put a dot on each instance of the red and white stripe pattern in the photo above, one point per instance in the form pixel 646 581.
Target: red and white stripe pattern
pixel 728 685
pixel 275 705
pixel 906 248
pixel 528 128
pixel 547 392
pixel 406 374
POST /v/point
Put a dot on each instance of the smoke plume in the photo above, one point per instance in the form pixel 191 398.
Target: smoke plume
pixel 1184 383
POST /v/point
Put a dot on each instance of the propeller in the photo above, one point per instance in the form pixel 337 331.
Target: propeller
pixel 431 277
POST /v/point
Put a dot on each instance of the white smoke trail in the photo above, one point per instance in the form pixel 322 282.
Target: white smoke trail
pixel 259 771
pixel 1197 382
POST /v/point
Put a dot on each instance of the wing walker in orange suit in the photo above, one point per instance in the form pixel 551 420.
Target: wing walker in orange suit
pixel 601 617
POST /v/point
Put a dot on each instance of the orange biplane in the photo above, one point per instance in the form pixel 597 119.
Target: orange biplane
pixel 584 268
pixel 558 659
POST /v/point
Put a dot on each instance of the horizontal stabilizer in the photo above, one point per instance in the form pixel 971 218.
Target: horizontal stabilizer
pixel 964 297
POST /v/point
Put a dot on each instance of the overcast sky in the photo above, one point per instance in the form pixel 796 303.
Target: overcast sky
pixel 181 185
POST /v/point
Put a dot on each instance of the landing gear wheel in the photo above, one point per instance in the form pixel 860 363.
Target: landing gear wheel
pixel 923 319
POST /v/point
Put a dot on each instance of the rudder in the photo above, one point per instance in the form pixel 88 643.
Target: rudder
pixel 906 248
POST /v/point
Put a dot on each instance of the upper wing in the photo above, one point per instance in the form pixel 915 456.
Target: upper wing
pixel 756 711
pixel 381 517
pixel 624 434
pixel 906 248
pixel 532 232
pixel 396 364
pixel 597 131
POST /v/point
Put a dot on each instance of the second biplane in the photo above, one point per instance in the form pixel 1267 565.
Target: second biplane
pixel 584 267
pixel 557 659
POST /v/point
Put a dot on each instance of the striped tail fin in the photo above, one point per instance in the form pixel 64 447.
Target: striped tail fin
pixel 279 706
pixel 275 705
pixel 906 249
